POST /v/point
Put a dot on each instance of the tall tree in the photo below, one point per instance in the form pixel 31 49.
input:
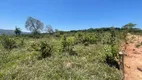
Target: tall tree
pixel 129 26
pixel 17 31
pixel 49 29
pixel 34 25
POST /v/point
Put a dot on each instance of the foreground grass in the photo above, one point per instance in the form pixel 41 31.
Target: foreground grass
pixel 89 64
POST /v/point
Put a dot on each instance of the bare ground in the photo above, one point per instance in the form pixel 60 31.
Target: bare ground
pixel 133 58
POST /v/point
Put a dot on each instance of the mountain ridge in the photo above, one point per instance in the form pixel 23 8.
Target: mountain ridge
pixel 9 32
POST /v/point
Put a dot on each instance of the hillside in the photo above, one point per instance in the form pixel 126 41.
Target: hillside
pixel 8 32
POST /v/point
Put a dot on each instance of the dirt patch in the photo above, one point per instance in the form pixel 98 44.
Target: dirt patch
pixel 133 59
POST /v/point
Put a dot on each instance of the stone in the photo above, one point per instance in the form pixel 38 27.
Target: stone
pixel 139 68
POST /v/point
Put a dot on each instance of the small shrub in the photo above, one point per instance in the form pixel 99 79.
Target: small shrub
pixel 89 38
pixel 8 43
pixel 106 38
pixel 138 45
pixel 45 49
pixel 79 37
pixel 111 56
pixel 64 43
pixel 67 43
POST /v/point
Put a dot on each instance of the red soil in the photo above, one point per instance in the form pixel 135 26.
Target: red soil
pixel 133 59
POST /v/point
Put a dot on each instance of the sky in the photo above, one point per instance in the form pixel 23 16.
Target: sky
pixel 71 14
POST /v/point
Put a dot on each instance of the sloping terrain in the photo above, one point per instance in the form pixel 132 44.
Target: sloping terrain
pixel 133 58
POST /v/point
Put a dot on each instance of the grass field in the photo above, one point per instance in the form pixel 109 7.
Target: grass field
pixel 24 62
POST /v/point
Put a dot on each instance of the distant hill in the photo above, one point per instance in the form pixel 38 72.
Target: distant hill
pixel 10 32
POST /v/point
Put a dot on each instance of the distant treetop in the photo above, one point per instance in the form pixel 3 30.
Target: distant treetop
pixel 129 26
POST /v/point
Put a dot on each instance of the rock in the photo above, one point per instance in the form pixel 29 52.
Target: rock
pixel 139 68
pixel 121 53
pixel 127 66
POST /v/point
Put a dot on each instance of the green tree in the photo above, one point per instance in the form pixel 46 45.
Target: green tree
pixel 17 31
pixel 129 26
pixel 7 42
pixel 49 29
pixel 34 25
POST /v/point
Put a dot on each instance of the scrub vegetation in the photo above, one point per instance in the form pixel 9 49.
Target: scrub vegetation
pixel 90 54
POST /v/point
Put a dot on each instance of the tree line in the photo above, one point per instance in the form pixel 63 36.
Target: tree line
pixel 35 26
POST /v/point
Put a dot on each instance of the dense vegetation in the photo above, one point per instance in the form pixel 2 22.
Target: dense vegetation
pixel 74 55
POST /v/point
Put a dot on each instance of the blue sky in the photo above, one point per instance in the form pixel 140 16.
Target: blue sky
pixel 71 14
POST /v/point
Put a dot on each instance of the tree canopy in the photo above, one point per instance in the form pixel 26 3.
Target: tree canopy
pixel 17 31
pixel 129 26
pixel 34 25
pixel 49 29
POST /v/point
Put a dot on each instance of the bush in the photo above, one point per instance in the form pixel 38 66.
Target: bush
pixel 64 43
pixel 8 43
pixel 67 43
pixel 106 38
pixel 79 37
pixel 111 56
pixel 89 38
pixel 45 49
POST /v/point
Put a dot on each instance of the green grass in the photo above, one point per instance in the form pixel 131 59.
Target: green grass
pixel 23 64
